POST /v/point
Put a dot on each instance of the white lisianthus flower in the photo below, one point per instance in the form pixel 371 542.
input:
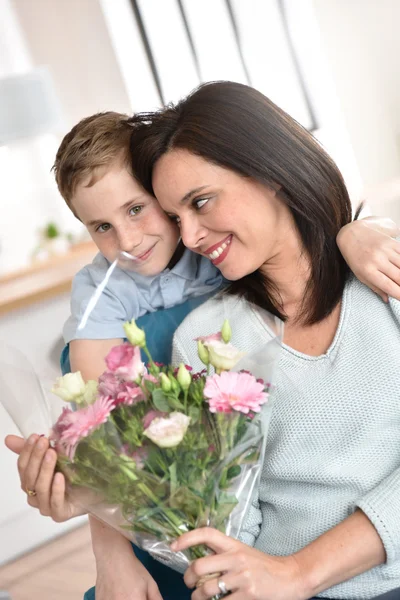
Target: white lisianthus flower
pixel 168 432
pixel 70 387
pixel 90 393
pixel 223 357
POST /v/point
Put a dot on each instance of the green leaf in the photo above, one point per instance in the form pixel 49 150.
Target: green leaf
pixel 160 400
pixel 194 414
pixel 175 403
pixel 233 471
pixel 225 505
pixel 173 478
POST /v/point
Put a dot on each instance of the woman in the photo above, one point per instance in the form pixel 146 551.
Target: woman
pixel 119 572
pixel 253 191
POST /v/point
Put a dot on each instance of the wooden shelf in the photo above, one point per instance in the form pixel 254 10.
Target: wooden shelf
pixel 44 280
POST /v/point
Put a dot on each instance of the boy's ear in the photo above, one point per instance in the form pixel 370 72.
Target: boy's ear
pixel 274 187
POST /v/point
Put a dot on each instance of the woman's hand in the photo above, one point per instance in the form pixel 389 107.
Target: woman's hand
pixel 247 573
pixel 36 468
pixel 372 254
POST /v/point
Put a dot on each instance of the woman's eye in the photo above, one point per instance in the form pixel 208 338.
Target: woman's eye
pixel 103 227
pixel 135 210
pixel 201 202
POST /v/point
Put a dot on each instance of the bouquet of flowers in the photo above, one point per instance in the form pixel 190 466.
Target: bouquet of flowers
pixel 165 450
pixel 153 450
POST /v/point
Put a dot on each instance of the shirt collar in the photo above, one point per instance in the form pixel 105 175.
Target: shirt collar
pixel 187 265
pixel 187 268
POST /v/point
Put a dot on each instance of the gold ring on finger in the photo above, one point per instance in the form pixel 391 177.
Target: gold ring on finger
pixel 30 493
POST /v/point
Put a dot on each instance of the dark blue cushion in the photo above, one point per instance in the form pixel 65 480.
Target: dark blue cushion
pixel 159 326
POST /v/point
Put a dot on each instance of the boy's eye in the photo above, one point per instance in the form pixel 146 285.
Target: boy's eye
pixel 175 219
pixel 103 227
pixel 135 210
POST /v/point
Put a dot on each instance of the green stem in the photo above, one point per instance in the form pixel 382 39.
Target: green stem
pixel 147 353
pixel 169 515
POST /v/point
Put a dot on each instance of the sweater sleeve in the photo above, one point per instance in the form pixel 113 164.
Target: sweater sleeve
pixel 382 503
pixel 382 507
pixel 251 527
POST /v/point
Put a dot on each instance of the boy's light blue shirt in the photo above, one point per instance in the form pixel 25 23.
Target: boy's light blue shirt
pixel 130 295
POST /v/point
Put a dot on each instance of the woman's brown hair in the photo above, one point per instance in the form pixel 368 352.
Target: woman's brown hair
pixel 238 128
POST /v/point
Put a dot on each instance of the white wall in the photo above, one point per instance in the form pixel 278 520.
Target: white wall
pixel 361 41
pixel 71 37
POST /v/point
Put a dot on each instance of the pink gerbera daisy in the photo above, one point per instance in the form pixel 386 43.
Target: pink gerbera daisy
pixel 234 391
pixel 84 422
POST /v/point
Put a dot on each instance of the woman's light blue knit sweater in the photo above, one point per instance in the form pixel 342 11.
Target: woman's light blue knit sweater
pixel 334 438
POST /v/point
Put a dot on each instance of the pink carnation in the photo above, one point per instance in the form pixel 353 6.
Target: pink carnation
pixel 108 384
pixel 63 422
pixel 128 393
pixel 83 422
pixel 125 360
pixel 118 390
pixel 234 391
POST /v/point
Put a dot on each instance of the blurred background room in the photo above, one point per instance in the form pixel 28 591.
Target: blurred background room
pixel 331 64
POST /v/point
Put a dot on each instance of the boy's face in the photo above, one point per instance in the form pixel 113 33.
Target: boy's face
pixel 121 216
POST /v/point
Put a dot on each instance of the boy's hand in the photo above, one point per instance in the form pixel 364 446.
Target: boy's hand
pixel 125 578
pixel 120 575
pixel 372 254
pixel 36 468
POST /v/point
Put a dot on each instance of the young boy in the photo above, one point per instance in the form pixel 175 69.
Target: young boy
pixel 93 176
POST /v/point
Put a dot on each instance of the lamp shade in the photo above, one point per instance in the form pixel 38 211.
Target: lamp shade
pixel 28 106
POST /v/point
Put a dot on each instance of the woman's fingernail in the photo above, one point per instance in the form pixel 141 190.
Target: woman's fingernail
pixel 174 546
pixel 32 439
pixel 42 444
pixel 48 456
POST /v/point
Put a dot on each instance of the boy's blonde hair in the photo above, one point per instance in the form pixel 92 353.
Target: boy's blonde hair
pixel 94 143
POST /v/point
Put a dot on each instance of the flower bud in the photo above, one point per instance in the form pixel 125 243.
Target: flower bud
pixel 135 335
pixel 165 383
pixel 184 378
pixel 203 353
pixel 226 331
pixel 174 384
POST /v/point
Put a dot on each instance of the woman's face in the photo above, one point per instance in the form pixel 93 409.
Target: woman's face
pixel 234 221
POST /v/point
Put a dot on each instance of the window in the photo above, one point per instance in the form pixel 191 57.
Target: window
pixel 166 48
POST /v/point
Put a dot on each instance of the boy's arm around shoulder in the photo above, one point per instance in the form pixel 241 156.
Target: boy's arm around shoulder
pixel 87 356
pixel 369 249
